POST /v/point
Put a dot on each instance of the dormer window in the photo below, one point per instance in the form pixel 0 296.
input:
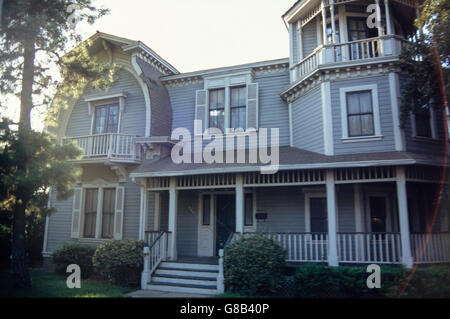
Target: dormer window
pixel 106 118
pixel 106 111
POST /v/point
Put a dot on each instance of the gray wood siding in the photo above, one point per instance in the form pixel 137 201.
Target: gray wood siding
pixel 285 208
pixel 182 99
pixel 187 223
pixel 387 144
pixel 418 146
pixel 273 111
pixel 133 117
pixel 150 222
pixel 59 223
pixel 307 121
pixel 346 209
pixel 132 210
pixel 309 37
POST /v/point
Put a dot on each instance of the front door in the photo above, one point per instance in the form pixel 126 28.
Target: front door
pixel 225 218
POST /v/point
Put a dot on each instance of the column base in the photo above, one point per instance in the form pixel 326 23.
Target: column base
pixel 408 261
pixel 333 261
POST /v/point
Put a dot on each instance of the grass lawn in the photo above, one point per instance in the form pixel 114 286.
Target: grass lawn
pixel 45 284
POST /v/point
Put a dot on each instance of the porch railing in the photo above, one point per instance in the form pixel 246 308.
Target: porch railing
pixel 431 248
pixel 111 145
pixel 360 50
pixel 302 247
pixel 369 248
pixel 154 254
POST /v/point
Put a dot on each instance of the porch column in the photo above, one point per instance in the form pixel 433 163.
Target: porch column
pixel 388 17
pixel 333 22
pixel 332 222
pixel 378 19
pixel 143 212
pixel 407 259
pixel 239 203
pixel 324 23
pixel 173 199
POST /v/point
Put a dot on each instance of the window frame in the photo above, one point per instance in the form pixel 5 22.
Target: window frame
pixel 433 127
pixel 99 212
pixel 107 106
pixel 104 99
pixel 360 115
pixel 226 82
pixel 373 88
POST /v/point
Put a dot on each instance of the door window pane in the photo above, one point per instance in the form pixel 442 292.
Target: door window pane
pixel 106 119
pixel 206 219
pixel 318 215
pixel 378 214
pixel 109 199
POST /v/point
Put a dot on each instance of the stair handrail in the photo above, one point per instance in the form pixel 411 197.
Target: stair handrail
pixel 154 253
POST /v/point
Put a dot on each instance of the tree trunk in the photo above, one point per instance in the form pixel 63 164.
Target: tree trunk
pixel 20 275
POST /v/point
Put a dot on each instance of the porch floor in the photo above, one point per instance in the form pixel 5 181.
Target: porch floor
pixel 197 260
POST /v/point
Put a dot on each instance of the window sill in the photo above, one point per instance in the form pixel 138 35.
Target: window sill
pixel 426 139
pixel 93 240
pixel 362 139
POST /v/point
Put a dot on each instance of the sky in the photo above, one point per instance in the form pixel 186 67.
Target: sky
pixel 193 34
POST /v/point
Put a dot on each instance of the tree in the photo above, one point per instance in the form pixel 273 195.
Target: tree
pixel 34 34
pixel 426 61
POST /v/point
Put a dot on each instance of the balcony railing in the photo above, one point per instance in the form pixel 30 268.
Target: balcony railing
pixel 354 51
pixel 111 146
pixel 379 248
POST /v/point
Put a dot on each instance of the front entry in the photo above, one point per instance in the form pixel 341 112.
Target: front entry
pixel 225 218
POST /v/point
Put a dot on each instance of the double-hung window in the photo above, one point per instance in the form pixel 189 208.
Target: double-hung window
pixel 238 107
pixel 102 214
pixel 217 109
pixel 360 114
pixel 422 119
pixel 106 119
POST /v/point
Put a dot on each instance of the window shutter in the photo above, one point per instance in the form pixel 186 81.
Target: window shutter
pixel 201 107
pixel 252 105
pixel 76 212
pixel 118 214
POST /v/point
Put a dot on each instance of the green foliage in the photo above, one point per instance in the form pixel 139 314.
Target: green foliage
pixel 319 281
pixel 254 266
pixel 120 260
pixel 74 254
pixel 51 285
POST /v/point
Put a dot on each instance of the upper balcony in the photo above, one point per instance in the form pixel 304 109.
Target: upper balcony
pixel 112 147
pixel 359 51
pixel 342 33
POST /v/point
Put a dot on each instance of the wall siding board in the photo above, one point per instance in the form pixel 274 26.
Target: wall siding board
pixel 387 144
pixel 309 37
pixel 133 116
pixel 307 121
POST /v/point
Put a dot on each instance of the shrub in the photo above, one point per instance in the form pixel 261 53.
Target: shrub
pixel 430 282
pixel 120 261
pixel 318 281
pixel 74 254
pixel 254 266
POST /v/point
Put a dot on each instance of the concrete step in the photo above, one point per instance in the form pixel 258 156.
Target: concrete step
pixel 174 279
pixel 186 288
pixel 186 272
pixel 187 265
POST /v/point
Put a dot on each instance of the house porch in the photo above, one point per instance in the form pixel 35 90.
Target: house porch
pixel 355 215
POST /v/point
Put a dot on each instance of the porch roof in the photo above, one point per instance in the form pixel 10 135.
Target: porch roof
pixel 289 158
